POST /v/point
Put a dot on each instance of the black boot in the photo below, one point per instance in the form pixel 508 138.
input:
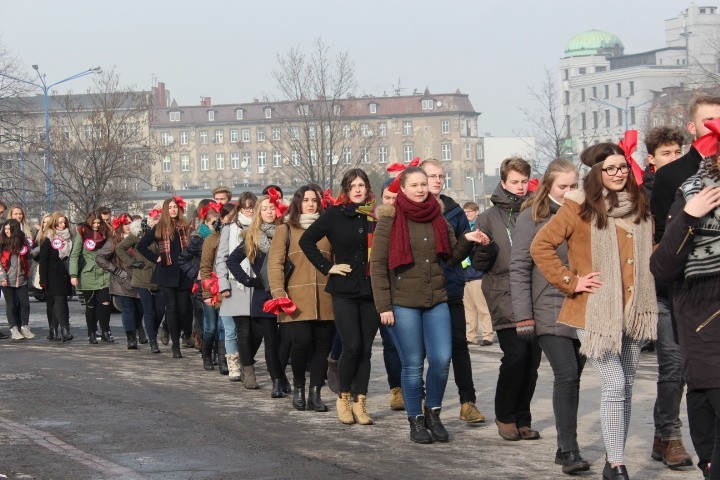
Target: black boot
pixel 418 433
pixel 51 333
pixel 572 462
pixel 141 336
pixel 277 389
pixel 314 402
pixel 222 360
pixel 285 384
pixel 56 334
pixel 433 423
pixel 298 401
pixel 132 340
pixel 65 335
pixel 206 352
pixel 154 347
pixel 615 473
pixel 107 337
pixel 176 350
pixel 92 338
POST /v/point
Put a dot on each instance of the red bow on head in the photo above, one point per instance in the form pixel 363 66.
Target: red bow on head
pixel 279 305
pixel 212 286
pixel 533 184
pixel 627 145
pixel 274 197
pixel 212 206
pixel 327 199
pixel 119 221
pixel 155 213
pixel 180 202
pixel 394 187
pixel 707 145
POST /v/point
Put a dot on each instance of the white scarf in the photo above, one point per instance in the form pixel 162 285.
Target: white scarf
pixel 307 219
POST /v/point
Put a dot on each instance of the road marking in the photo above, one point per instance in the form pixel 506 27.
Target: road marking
pixel 59 447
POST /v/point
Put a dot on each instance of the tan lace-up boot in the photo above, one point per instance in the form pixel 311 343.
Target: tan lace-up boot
pixel 359 411
pixel 344 409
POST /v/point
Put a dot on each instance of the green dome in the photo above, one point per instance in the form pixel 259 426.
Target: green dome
pixel 594 42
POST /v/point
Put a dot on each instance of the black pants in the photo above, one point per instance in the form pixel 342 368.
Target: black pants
pixel 285 347
pixel 178 312
pixel 271 337
pixel 17 297
pixel 97 309
pixel 311 341
pixel 58 312
pixel 249 338
pixel 704 421
pixel 517 378
pixel 357 321
pixel 462 368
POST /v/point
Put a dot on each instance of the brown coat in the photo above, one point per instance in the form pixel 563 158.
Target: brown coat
pixel 207 263
pixel 420 284
pixel 306 286
pixel 566 225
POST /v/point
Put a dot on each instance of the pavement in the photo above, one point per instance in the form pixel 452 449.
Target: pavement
pixel 81 411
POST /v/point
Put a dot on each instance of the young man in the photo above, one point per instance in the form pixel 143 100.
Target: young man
pixel 222 195
pixel 455 286
pixel 476 309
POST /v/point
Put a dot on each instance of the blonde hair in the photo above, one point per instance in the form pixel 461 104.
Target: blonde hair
pixel 254 232
pixel 540 201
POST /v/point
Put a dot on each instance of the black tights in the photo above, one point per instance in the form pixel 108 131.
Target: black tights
pixel 178 312
pixel 311 341
pixel 357 321
pixel 97 310
pixel 249 338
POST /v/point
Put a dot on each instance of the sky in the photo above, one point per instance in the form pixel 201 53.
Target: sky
pixel 227 50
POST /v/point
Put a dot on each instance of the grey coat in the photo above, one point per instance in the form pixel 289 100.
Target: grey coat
pixel 118 285
pixel 238 303
pixel 532 295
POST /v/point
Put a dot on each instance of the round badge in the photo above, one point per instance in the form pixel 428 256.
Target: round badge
pixel 24 250
pixel 29 242
pixel 57 243
pixel 90 244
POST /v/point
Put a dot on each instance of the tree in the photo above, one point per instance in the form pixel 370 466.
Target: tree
pixel 319 137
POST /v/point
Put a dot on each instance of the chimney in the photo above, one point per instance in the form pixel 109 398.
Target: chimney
pixel 160 95
pixel 205 101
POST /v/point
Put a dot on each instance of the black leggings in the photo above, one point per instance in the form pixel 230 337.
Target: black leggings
pixel 357 322
pixel 271 337
pixel 178 312
pixel 249 338
pixel 311 341
pixel 58 312
pixel 97 309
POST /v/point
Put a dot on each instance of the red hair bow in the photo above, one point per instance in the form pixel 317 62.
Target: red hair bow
pixel 627 145
pixel 120 221
pixel 155 213
pixel 327 199
pixel 212 206
pixel 533 184
pixel 274 197
pixel 279 305
pixel 180 202
pixel 394 187
pixel 212 286
pixel 707 145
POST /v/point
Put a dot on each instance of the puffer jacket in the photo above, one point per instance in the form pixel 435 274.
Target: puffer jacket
pixel 454 274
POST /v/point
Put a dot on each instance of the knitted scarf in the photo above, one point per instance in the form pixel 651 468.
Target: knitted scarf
pixel 607 318
pixel 164 243
pixel 704 259
pixel 368 211
pixel 307 219
pixel 97 237
pixel 66 246
pixel 267 233
pixel 428 211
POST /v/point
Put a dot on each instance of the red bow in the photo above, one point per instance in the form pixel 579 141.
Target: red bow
pixel 627 145
pixel 121 220
pixel 533 184
pixel 327 199
pixel 155 213
pixel 279 305
pixel 707 145
pixel 212 286
pixel 214 206
pixel 394 187
pixel 195 288
pixel 180 202
pixel 274 197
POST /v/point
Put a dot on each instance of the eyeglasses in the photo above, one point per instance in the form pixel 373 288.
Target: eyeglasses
pixel 441 176
pixel 612 171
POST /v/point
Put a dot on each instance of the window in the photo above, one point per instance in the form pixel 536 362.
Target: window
pixel 276 133
pixel 594 90
pixel 632 88
pixel 383 154
pixel 184 138
pixel 268 112
pixel 303 110
pixel 247 157
pixel 185 162
pixel 600 69
pixel 595 119
pixel 328 157
pixel 219 161
pixel 582 70
pixel 480 151
pixel 174 116
pixel 336 109
pixel 295 158
pixel 582 121
pixel 277 159
pixel 245 135
pixel 347 155
pixel 407 153
pixel 166 163
pixel 448 180
pixel 262 159
pixel 607 118
pixel 428 104
pixel 203 137
pixel 164 136
pixel 234 135
pixel 294 133
pixel 566 100
pixel 566 74
pixel 364 155
pixel 261 134
pixel 311 132
pixel 607 91
pixel 468 152
pixel 407 128
pixel 619 89
pixel 582 94
pixel 235 160
pixel 211 115
pixel 446 152
pixel 620 117
pixel 313 157
pixel 382 129
pixel 567 125
pixel 204 162
pixel 218 136
pixel 632 115
pixel 373 108
pixel 239 114
pixel 364 130
pixel 346 130
pixel 445 126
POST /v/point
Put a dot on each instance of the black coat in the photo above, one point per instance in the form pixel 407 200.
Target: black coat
pixel 347 233
pixel 189 259
pixel 260 295
pixel 165 275
pixel 53 271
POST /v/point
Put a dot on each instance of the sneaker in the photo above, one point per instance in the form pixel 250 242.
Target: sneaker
pixel 25 331
pixel 16 335
pixel 470 413
pixel 164 335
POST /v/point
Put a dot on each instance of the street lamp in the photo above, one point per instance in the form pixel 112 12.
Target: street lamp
pixel 626 110
pixel 472 181
pixel 46 105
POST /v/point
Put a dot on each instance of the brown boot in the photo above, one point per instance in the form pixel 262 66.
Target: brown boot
pixel 396 399
pixel 657 450
pixel 344 410
pixel 508 431
pixel 470 413
pixel 249 378
pixel 674 454
pixel 359 411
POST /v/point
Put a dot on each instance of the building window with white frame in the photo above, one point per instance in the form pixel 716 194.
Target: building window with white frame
pixel 468 152
pixel 407 128
pixel 295 158
pixel 235 160
pixel 336 110
pixel 276 134
pixel 185 162
pixel 383 154
pixel 445 126
pixel 347 155
pixel 268 112
pixel 260 134
pixel 203 137
pixel 204 162
pixel 184 138
pixel 311 132
pixel 313 157
pixel 245 135
pixel 277 159
pixel 166 163
pixel 246 161
pixel 346 130
pixel 407 153
pixel 234 135
pixel 211 115
pixel 239 114
pixel 446 152
pixel 294 133
pixel 164 136
pixel 219 136
pixel 428 104
pixel 382 129
pixel 364 155
pixel 262 159
pixel 174 116
pixel 373 108
pixel 219 161
pixel 364 130
pixel 448 181
pixel 303 110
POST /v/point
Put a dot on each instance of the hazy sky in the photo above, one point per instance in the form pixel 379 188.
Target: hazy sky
pixel 227 49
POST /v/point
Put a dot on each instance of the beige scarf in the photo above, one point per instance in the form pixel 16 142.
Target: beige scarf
pixel 606 318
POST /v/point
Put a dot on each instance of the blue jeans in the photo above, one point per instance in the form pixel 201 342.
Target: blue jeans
pixel 132 313
pixel 230 334
pixel 212 328
pixel 153 306
pixel 670 381
pixel 419 333
pixel 393 367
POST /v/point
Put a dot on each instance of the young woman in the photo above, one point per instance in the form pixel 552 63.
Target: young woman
pixel 349 227
pixel 120 281
pixel 53 262
pixel 310 325
pixel 409 290
pixel 92 281
pixel 254 248
pixel 17 213
pixel 35 274
pixel 610 291
pixel 14 275
pixel 171 234
pixel 536 305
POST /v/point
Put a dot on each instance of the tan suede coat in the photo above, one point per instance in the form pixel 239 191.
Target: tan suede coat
pixel 207 263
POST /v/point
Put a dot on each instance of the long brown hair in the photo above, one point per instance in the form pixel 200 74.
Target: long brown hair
pixel 16 241
pixel 52 225
pixel 253 233
pixel 84 228
pixel 166 226
pixel 295 210
pixel 539 202
pixel 593 208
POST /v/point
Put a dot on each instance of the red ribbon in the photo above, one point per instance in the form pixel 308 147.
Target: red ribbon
pixel 180 202
pixel 120 221
pixel 274 196
pixel 627 145
pixel 212 286
pixel 155 213
pixel 533 184
pixel 195 288
pixel 327 199
pixel 394 187
pixel 279 305
pixel 214 206
pixel 707 145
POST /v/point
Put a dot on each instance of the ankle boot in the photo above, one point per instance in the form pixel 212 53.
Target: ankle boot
pixel 433 423
pixel 92 338
pixel 359 411
pixel 154 348
pixel 131 340
pixel 298 401
pixel 314 401
pixel 175 348
pixel 344 409
pixel 418 433
pixel 65 335
pixel 250 379
pixel 222 361
pixel 206 352
pixel 615 473
pixel 277 389
pixel 285 384
pixel 56 334
pixel 233 362
pixel 107 336
pixel 51 332
pixel 141 336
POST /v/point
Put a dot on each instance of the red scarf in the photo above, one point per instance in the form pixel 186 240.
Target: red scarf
pixel 5 261
pixel 425 212
pixel 164 243
pixel 89 234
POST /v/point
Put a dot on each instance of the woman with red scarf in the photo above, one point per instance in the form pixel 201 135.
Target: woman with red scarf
pixel 14 274
pixel 409 290
pixel 92 281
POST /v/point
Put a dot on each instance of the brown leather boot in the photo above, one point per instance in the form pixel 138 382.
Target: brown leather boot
pixel 675 455
pixel 508 431
pixel 657 450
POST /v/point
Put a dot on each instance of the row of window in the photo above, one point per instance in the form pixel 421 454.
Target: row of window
pixel 605 91
pixel 621 120
pixel 583 71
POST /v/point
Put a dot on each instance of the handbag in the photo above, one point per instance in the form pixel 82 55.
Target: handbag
pixel 287 268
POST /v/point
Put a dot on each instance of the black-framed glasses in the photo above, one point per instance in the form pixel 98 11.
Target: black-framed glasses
pixel 612 171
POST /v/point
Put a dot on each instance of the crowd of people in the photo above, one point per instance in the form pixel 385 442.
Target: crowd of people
pixel 579 274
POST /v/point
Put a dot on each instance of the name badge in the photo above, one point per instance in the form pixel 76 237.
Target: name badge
pixel 57 243
pixel 90 244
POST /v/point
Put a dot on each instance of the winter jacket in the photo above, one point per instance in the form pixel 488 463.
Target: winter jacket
pixel 15 273
pixel 498 222
pixel 469 271
pixel 306 285
pixel 238 303
pixel 84 267
pixel 119 285
pixel 189 260
pixel 454 275
pixel 259 294
pixel 53 271
pixel 141 277
pixel 420 284
pixel 207 264
pixel 347 233
pixel 165 275
pixel 532 295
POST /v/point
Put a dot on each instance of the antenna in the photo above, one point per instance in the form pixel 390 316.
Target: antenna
pixel 397 88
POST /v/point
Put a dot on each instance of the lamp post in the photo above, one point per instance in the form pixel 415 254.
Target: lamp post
pixel 46 106
pixel 472 182
pixel 626 109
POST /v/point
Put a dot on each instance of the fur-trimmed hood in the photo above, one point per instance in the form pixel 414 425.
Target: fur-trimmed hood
pixel 385 211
